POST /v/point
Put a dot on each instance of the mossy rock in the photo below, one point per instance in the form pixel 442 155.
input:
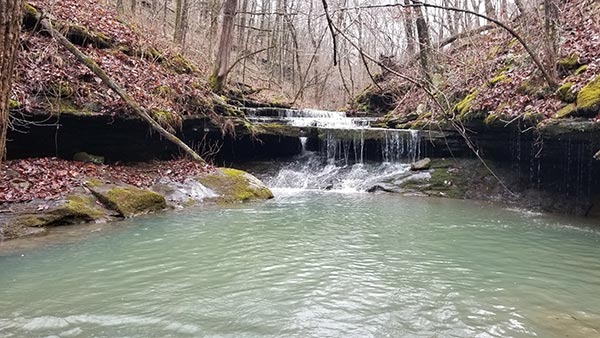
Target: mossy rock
pixel 491 119
pixel 535 86
pixel 532 118
pixel 76 208
pixel 566 94
pixel 570 62
pixel 588 99
pixel 566 111
pixel 463 108
pixel 82 36
pixel 128 200
pixel 235 185
pixel 181 65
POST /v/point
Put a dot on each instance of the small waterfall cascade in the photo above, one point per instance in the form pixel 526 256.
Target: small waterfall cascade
pixel 339 152
pixel 307 118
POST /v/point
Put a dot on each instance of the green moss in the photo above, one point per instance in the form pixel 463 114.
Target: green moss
pixel 588 99
pixel 83 205
pixel 181 65
pixel 131 201
pixel 93 183
pixel 449 182
pixel 491 119
pixel 29 9
pixel 13 104
pixel 498 79
pixel 565 111
pixel 566 94
pixel 463 108
pixel 532 118
pixel 493 52
pixel 235 185
pixel 65 106
pixel 570 62
pixel 534 86
pixel 166 118
pixel 77 208
pixel 581 69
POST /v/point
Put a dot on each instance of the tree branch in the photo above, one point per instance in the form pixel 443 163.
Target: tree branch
pixel 333 34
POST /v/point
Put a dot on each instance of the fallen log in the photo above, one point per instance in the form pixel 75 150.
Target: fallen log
pixel 95 68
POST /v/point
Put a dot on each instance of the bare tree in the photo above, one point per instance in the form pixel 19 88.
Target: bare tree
pixel 10 19
pixel 181 21
pixel 225 43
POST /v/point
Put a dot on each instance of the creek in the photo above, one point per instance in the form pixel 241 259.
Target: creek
pixel 312 264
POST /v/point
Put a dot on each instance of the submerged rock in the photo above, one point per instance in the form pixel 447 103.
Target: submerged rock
pixel 234 185
pixel 126 199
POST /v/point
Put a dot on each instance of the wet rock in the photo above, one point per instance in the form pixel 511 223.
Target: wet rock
pixel 385 187
pixel 423 164
pixel 183 194
pixel 126 199
pixel 30 219
pixel 234 185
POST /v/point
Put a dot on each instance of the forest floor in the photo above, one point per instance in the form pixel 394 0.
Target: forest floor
pixel 25 180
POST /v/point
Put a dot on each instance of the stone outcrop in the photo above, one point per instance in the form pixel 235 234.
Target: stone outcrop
pixel 100 201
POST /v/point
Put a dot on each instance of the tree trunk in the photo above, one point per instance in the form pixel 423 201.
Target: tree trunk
pixel 551 22
pixel 225 43
pixel 409 29
pixel 520 6
pixel 133 6
pixel 120 6
pixel 424 44
pixel 10 27
pixel 93 66
pixel 490 11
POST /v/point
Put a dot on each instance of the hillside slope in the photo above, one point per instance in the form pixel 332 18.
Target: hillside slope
pixel 491 78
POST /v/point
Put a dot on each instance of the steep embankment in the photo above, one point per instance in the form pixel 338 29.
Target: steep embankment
pixel 490 77
pixel 50 79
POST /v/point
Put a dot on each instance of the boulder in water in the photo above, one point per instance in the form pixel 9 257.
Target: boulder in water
pixel 234 185
pixel 126 199
pixel 423 164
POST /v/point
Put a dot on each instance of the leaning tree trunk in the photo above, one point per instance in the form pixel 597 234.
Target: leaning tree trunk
pixel 225 43
pixel 10 26
pixel 93 66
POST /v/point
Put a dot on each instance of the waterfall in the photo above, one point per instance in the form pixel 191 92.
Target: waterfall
pixel 339 152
